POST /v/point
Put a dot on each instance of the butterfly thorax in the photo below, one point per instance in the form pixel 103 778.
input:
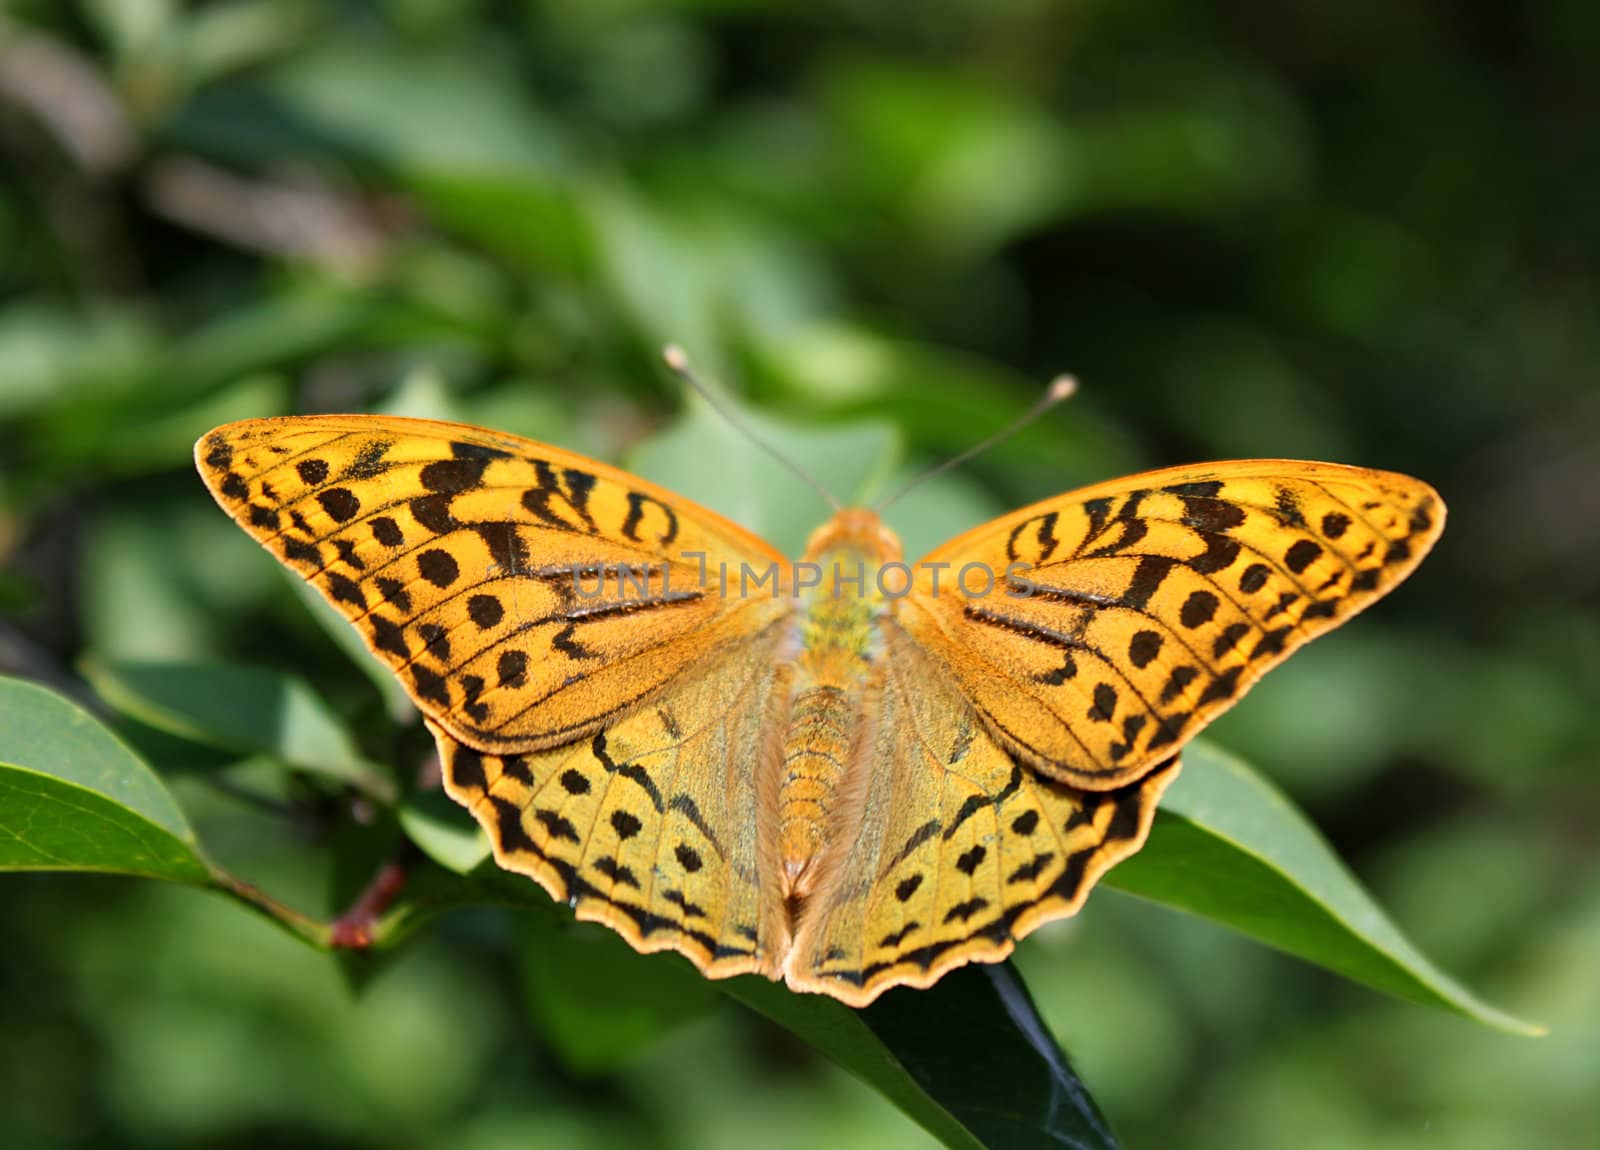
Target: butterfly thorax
pixel 843 587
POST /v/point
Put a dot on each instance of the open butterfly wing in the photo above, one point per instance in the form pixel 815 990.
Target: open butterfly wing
pixel 654 824
pixel 484 568
pixel 1139 610
pixel 955 849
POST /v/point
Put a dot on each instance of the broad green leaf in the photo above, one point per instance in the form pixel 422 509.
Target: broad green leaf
pixel 444 831
pixel 47 823
pixel 45 732
pixel 597 1001
pixel 73 797
pixel 969 1059
pixel 1229 846
pixel 251 710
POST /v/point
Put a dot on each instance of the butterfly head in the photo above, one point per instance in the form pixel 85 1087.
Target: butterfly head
pixel 855 532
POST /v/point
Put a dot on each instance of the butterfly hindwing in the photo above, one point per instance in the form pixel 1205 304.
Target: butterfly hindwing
pixel 958 849
pixel 1139 610
pixel 522 594
pixel 653 824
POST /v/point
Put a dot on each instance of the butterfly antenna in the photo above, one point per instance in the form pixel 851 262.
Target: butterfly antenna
pixel 1062 387
pixel 678 363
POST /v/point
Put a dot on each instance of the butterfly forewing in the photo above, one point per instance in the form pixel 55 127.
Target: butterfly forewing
pixel 523 594
pixel 1139 610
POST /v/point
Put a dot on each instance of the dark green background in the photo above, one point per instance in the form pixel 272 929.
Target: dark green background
pixel 1363 232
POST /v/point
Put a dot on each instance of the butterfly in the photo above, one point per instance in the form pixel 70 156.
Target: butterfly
pixel 846 772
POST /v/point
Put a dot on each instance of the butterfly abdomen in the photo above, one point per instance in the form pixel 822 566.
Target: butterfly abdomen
pixel 816 755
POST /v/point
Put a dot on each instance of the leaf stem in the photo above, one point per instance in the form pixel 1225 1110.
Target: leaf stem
pixel 303 927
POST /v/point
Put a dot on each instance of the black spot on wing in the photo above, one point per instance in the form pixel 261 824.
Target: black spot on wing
pixel 386 531
pixel 626 825
pixel 387 635
pixel 690 909
pixel 430 684
pixel 556 826
pixel 433 513
pixel 1197 609
pixel 512 667
pixel 1032 869
pixel 1213 515
pixel 1144 647
pixel 394 591
pixel 485 610
pixel 1231 634
pixel 968 861
pixel 1302 554
pixel 466 769
pixel 616 872
pixel 895 938
pixel 453 476
pixel 264 517
pixel 340 503
pixel 574 782
pixel 1219 555
pixel 345 590
pixel 438 567
pixel 963 911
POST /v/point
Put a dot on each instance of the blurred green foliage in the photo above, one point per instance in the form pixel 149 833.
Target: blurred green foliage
pixel 1362 232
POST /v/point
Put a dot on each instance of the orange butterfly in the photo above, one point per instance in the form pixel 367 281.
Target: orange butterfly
pixel 847 772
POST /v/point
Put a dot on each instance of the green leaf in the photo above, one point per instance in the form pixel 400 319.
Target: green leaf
pixel 73 797
pixel 597 1001
pixel 251 710
pixel 968 1059
pixel 444 831
pixel 1229 846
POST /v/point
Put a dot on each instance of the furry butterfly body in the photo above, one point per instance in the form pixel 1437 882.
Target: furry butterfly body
pixel 847 772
